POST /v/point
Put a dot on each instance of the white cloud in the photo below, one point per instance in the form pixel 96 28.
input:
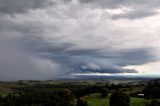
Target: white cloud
pixel 149 68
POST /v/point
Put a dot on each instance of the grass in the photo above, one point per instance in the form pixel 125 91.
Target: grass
pixel 96 100
pixel 138 102
pixel 5 88
pixel 133 90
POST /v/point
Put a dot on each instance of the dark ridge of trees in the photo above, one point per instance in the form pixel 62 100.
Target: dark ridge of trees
pixel 119 99
pixel 152 91
pixel 118 86
pixel 78 90
pixel 66 94
pixel 154 103
pixel 48 95
pixel 62 98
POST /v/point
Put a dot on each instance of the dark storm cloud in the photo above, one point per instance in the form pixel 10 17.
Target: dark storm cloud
pixel 40 46
pixel 121 3
pixel 21 6
pixel 102 68
pixel 139 8
pixel 135 14
pixel 105 3
pixel 15 63
pixel 49 41
pixel 71 60
pixel 79 59
pixel 133 56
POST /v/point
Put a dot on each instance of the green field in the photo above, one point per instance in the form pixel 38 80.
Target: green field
pixel 96 100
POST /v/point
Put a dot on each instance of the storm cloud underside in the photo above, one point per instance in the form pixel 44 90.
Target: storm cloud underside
pixel 56 38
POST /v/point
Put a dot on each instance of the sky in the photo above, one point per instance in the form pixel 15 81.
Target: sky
pixel 44 39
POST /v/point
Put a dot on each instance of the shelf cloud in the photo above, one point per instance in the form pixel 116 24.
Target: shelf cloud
pixel 56 38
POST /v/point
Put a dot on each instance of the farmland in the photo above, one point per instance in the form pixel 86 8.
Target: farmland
pixel 96 100
pixel 62 92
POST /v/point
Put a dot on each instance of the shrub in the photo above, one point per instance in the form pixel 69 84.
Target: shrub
pixel 119 99
pixel 82 102
pixel 104 92
pixel 67 98
pixel 154 103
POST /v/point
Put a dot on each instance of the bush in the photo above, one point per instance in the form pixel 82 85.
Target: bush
pixel 154 103
pixel 82 102
pixel 67 98
pixel 133 95
pixel 119 99
pixel 104 92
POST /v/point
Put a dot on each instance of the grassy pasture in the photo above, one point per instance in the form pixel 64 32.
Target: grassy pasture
pixel 96 100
